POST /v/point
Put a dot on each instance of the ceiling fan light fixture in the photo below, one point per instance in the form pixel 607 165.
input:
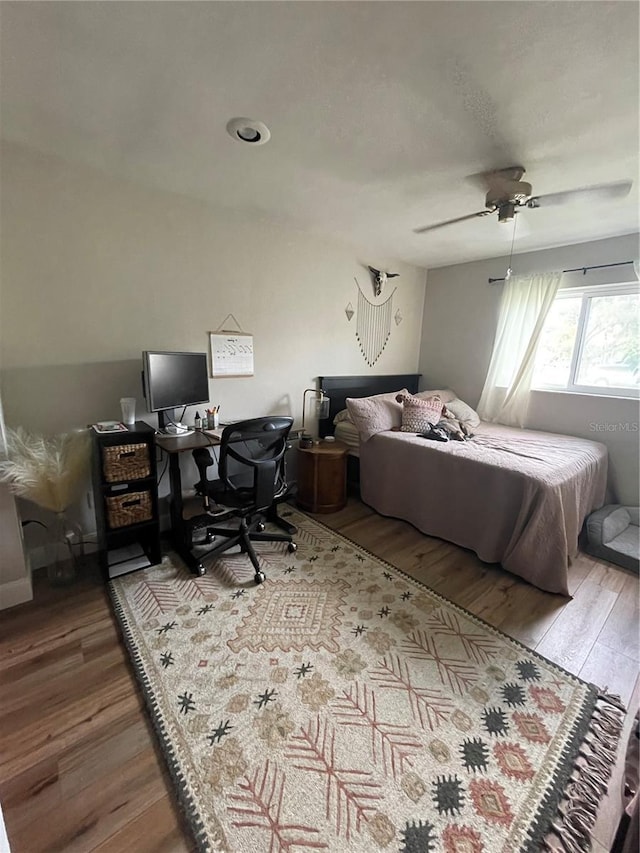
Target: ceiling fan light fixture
pixel 248 130
pixel 515 191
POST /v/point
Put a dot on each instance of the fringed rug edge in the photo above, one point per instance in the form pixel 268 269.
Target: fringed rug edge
pixel 571 807
pixel 185 799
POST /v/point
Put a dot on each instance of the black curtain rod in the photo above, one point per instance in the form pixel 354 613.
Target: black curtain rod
pixel 583 270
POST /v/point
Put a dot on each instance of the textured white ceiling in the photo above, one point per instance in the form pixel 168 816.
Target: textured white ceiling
pixel 379 111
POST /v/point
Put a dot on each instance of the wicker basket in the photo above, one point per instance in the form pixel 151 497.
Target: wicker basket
pixel 122 462
pixel 129 508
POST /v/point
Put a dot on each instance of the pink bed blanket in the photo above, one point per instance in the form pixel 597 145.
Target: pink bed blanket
pixel 515 497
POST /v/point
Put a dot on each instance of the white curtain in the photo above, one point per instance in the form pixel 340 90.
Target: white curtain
pixel 524 306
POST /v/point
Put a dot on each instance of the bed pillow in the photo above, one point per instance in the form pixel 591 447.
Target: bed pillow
pixel 464 413
pixel 418 413
pixel 372 415
pixel 457 407
pixel 343 415
pixel 445 395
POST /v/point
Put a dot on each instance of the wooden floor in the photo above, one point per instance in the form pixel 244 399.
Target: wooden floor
pixel 79 769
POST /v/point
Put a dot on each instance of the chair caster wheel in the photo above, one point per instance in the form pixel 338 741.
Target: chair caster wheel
pixel 260 577
pixel 200 570
pixel 291 547
pixel 260 527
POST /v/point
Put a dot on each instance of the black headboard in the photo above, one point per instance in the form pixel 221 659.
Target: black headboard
pixel 338 388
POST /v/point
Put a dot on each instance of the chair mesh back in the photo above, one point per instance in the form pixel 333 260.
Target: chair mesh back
pixel 251 454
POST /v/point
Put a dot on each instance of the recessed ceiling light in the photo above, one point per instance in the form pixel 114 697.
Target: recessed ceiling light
pixel 248 130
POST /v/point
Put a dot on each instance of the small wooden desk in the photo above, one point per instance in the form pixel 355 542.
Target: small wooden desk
pixel 174 445
pixel 322 476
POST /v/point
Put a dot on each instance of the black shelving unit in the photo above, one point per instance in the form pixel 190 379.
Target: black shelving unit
pixel 125 493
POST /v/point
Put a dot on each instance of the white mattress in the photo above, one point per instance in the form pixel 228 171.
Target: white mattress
pixel 346 431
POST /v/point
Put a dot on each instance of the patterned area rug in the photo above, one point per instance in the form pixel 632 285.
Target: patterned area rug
pixel 343 706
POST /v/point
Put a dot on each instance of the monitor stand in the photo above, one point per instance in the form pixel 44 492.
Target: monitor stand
pixel 167 426
pixel 175 429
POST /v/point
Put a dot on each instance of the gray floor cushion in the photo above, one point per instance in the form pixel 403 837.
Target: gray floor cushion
pixel 613 534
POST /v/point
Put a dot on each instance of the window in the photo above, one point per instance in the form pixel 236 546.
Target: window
pixel 591 342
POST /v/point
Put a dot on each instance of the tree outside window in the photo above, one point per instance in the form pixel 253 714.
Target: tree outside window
pixel 591 342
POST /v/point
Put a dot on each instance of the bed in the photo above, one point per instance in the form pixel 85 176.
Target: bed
pixel 513 496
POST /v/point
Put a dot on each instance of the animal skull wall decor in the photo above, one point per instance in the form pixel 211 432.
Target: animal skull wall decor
pixel 380 279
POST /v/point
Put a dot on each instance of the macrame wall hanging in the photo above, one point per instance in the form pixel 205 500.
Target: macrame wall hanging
pixel 373 325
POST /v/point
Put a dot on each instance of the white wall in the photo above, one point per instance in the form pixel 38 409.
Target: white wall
pixel 96 269
pixel 15 574
pixel 460 316
pixel 15 577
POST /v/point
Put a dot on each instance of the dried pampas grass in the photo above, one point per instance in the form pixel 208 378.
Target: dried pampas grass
pixel 48 471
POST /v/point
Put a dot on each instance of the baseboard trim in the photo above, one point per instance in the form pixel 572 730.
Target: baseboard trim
pixel 39 556
pixel 15 592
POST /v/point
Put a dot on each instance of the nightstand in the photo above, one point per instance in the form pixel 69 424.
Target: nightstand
pixel 322 476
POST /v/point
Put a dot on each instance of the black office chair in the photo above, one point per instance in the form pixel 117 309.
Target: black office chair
pixel 252 480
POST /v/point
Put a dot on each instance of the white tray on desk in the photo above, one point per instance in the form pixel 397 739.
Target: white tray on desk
pixel 215 433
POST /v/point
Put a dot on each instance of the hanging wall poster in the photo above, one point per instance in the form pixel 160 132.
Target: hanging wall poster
pixel 231 354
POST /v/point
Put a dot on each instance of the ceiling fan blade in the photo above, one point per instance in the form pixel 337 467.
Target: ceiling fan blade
pixel 600 192
pixel 451 221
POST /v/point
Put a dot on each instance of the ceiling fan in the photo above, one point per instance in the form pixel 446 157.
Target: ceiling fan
pixel 508 194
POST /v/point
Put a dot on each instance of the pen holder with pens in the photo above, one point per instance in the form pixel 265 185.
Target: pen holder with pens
pixel 213 420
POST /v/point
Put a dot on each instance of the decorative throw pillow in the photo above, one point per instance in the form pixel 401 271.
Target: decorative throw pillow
pixel 418 413
pixel 460 410
pixel 372 415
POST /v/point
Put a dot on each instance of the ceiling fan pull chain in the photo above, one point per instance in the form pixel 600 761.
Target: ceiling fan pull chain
pixel 509 272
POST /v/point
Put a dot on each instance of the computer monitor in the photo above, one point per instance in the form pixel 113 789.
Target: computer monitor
pixel 171 380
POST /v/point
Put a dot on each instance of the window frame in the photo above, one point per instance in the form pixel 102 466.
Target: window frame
pixel 586 294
